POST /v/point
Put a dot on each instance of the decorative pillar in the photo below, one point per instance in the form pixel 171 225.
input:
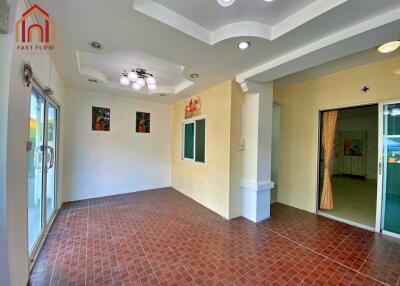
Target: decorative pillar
pixel 256 181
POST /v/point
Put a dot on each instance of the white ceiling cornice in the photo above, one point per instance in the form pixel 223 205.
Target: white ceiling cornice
pixel 235 29
pixel 322 43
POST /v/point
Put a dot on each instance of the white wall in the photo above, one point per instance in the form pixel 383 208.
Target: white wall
pixel 100 164
pixel 276 122
pixel 370 125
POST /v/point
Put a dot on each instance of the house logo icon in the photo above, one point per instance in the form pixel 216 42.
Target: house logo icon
pixel 32 36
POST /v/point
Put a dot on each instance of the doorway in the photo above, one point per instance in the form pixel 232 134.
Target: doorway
pixel 42 166
pixel 352 165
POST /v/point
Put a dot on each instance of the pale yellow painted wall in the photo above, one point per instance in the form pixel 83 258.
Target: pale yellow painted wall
pixel 300 106
pixel 236 156
pixel 206 183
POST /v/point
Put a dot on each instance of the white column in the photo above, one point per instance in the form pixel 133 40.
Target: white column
pixel 256 182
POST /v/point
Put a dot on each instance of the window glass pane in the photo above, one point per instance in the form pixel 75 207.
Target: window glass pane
pixel 200 140
pixel 189 141
pixel 51 159
pixel 35 168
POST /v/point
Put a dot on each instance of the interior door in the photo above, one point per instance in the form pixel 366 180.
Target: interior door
pixel 42 167
pixel 390 169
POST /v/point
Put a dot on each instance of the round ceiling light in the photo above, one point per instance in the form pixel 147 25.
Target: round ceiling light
pixel 244 45
pixel 96 45
pixel 389 47
pixel 194 75
pixel 226 3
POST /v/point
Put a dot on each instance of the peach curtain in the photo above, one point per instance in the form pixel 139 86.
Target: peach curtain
pixel 329 122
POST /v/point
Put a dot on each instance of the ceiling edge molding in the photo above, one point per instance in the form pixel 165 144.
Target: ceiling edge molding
pixel 236 29
pixel 322 43
pixel 241 29
pixel 303 16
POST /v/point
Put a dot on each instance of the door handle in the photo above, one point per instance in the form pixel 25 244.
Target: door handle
pixel 37 158
pixel 52 158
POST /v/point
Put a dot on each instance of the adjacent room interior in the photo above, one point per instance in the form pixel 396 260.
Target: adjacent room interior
pixel 354 164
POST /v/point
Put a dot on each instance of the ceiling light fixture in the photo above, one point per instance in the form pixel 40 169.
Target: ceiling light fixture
pixel 92 80
pixel 244 45
pixel 389 47
pixel 138 78
pixel 225 3
pixel 194 75
pixel 96 45
pixel 268 0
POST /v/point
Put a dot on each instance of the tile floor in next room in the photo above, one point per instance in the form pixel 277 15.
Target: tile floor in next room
pixel 162 237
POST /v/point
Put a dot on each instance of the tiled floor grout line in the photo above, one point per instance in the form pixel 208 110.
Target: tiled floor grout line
pixel 326 257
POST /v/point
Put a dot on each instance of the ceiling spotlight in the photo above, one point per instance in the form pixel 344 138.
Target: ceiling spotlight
pixel 124 80
pixel 389 47
pixel 96 45
pixel 135 86
pixel 226 3
pixel 132 75
pixel 244 45
pixel 194 75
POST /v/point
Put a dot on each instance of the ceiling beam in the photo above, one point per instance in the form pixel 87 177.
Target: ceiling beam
pixel 4 15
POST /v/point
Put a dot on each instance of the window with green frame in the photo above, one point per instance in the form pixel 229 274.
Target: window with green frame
pixel 194 140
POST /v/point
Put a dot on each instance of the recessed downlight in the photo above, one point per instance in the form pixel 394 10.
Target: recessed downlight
pixel 244 45
pixel 226 3
pixel 389 47
pixel 96 45
pixel 194 75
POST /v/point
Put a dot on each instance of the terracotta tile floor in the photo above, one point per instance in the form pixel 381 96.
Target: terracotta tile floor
pixel 161 237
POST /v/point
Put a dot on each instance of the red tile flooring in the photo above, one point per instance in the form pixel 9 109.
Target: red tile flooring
pixel 162 237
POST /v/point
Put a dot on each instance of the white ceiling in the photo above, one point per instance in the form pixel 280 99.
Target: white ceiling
pixel 362 58
pixel 210 15
pixel 107 67
pixel 296 35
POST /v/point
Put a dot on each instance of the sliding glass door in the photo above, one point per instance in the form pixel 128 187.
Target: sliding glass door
pixel 42 171
pixel 390 169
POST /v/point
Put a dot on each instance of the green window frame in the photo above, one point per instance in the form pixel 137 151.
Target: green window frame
pixel 194 140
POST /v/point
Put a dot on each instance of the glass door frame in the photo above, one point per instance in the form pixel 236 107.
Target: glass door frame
pixel 381 162
pixel 46 223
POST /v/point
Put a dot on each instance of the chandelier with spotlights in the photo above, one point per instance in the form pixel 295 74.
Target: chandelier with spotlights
pixel 138 78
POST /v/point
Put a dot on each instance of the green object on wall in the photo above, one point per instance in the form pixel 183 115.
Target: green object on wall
pixel 189 141
pixel 200 140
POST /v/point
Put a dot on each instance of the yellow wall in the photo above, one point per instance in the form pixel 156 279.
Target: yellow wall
pixel 300 108
pixel 236 156
pixel 209 183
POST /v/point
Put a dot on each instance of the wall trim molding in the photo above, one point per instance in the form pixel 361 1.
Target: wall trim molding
pixel 257 186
